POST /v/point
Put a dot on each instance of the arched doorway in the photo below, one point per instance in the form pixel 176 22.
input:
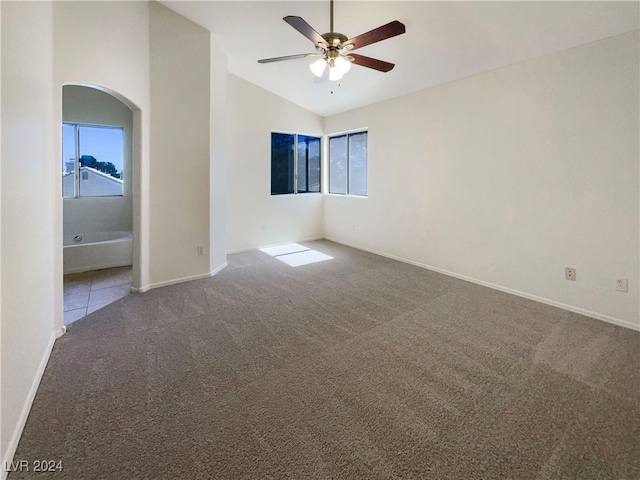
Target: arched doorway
pixel 101 200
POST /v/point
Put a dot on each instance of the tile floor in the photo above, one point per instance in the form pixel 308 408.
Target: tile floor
pixel 88 291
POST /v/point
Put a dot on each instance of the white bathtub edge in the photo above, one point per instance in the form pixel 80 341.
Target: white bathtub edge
pixel 122 236
pixel 96 266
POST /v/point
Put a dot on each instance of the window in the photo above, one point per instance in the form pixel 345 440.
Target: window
pixel 295 163
pixel 348 164
pixel 92 158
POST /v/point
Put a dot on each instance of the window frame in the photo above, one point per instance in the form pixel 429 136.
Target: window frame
pixel 76 139
pixel 346 134
pixel 320 139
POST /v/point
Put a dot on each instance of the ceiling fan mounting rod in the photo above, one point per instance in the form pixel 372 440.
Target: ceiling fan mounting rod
pixel 331 16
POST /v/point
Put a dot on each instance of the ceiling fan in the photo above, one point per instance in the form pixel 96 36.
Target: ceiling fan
pixel 335 48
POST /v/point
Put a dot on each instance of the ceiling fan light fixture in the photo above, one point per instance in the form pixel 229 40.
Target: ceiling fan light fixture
pixel 342 64
pixel 318 67
pixel 335 74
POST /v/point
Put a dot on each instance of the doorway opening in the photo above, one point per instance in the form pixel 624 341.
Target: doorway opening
pixel 98 203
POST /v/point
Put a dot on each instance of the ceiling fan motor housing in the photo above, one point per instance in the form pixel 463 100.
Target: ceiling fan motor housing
pixel 335 39
pixel 333 51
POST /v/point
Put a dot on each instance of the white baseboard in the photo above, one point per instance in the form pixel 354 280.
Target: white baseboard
pixel 26 408
pixel 546 301
pixel 179 280
pixel 275 245
pixel 217 270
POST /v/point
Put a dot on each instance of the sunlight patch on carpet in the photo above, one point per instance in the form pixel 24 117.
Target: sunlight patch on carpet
pixel 284 249
pixel 303 258
pixel 295 255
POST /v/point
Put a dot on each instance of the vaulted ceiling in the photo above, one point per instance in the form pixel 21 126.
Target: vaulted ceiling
pixel 445 41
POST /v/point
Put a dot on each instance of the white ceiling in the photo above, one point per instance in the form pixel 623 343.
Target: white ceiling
pixel 445 41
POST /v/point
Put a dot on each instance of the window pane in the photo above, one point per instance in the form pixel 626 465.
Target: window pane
pixel 338 164
pixel 358 163
pixel 68 161
pixel 101 151
pixel 303 155
pixel 282 168
pixel 308 164
pixel 314 164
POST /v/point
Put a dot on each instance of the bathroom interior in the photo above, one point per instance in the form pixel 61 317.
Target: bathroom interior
pixel 97 200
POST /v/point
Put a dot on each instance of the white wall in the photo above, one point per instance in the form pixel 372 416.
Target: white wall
pixel 99 214
pixel 158 63
pixel 255 217
pixel 46 45
pixel 106 44
pixel 218 162
pixel 28 172
pixel 511 176
pixel 3 450
pixel 179 189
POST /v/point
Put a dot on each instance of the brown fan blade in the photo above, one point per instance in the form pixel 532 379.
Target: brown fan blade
pixel 305 29
pixel 369 62
pixel 389 30
pixel 288 57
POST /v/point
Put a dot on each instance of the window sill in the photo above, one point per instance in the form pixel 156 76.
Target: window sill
pixel 342 195
pixel 294 194
pixel 93 196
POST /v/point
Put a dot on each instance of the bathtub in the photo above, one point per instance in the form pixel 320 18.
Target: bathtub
pixel 93 251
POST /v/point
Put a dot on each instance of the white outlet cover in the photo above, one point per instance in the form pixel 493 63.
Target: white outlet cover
pixel 622 285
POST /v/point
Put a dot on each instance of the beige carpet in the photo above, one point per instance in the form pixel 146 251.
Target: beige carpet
pixel 356 367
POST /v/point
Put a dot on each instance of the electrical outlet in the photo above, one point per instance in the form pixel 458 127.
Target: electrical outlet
pixel 570 273
pixel 200 249
pixel 622 285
